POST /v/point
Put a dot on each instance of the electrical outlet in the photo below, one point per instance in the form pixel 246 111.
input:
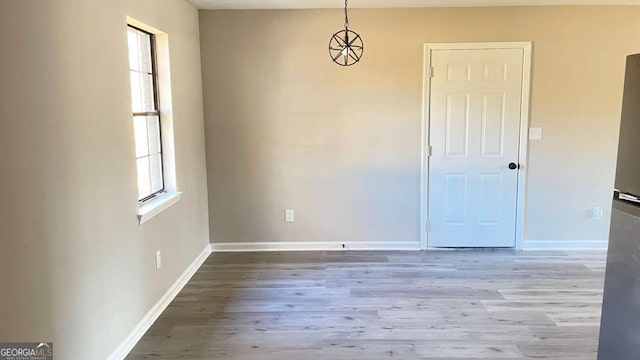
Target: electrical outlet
pixel 596 213
pixel 158 259
pixel 289 215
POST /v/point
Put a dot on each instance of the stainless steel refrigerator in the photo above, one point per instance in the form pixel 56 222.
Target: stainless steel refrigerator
pixel 620 328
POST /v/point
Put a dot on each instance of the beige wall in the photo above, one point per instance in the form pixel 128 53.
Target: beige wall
pixel 75 267
pixel 286 128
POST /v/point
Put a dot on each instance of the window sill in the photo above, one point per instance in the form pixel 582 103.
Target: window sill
pixel 156 206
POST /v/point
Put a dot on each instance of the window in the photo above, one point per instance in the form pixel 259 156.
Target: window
pixel 146 113
pixel 152 117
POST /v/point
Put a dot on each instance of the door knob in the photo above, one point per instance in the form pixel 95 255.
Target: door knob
pixel 514 166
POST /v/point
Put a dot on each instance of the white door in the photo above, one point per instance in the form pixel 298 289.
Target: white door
pixel 474 119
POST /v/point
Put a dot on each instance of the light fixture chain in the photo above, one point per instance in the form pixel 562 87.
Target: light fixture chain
pixel 346 14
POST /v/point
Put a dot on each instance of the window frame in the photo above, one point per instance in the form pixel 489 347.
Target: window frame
pixel 155 112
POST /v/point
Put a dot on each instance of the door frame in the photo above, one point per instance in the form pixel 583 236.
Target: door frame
pixel 526 46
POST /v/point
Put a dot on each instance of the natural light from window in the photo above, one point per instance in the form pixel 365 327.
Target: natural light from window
pixel 146 113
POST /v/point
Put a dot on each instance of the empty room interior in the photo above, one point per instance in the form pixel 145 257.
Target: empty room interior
pixel 319 179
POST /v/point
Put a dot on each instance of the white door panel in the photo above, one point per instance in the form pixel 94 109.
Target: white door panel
pixel 474 132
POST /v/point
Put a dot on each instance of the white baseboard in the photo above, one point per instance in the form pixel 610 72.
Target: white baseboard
pixel 152 315
pixel 313 246
pixel 565 245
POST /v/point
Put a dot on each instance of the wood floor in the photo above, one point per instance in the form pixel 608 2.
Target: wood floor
pixel 384 305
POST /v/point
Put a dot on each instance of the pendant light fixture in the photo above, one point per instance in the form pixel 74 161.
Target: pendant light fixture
pixel 346 46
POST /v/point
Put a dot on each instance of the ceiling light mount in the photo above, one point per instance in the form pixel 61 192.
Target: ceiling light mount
pixel 346 46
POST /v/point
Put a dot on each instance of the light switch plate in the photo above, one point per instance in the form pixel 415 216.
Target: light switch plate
pixel 535 133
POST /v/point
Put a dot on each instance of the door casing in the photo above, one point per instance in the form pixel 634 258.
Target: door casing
pixel 526 46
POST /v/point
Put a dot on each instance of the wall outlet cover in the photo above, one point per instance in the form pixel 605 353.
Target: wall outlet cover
pixel 597 213
pixel 158 259
pixel 289 215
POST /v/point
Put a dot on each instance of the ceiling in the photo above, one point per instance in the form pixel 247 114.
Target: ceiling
pixel 325 4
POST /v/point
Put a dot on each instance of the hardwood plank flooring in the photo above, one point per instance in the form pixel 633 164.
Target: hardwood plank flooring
pixel 467 304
